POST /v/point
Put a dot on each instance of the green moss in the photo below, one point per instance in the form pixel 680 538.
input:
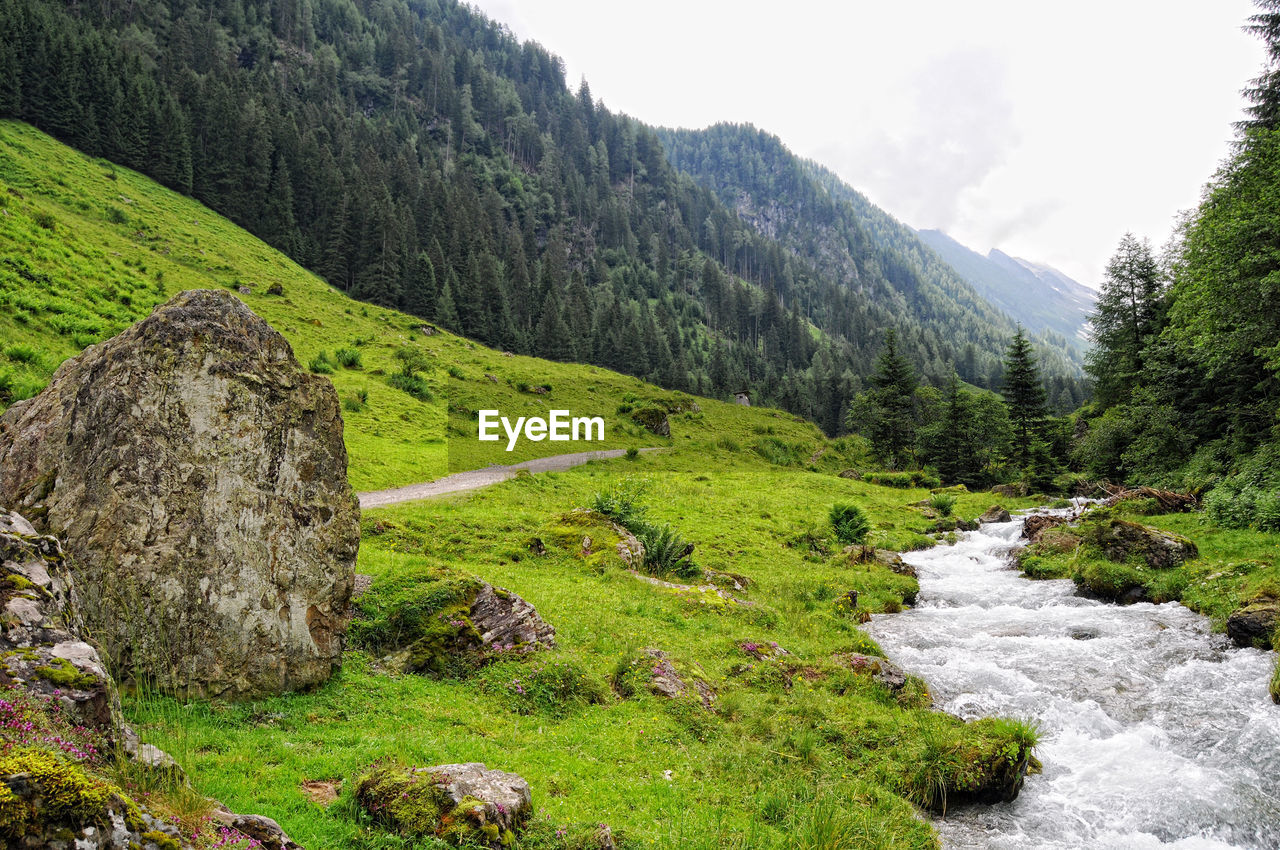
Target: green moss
pixel 413 804
pixel 26 653
pixel 13 581
pixel 449 644
pixel 408 802
pixel 64 674
pixel 1112 581
pixel 161 840
pixel 67 794
pixel 567 531
pixel 428 614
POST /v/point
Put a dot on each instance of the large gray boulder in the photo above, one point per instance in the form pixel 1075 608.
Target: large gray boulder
pixel 197 477
pixel 995 513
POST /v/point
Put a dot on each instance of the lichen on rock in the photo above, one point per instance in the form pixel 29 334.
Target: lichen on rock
pixel 197 478
pixel 50 801
pixel 41 649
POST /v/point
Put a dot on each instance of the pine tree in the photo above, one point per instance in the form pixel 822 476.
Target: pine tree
pixel 1024 396
pixel 420 295
pixel 1125 319
pixel 955 455
pixel 1264 92
pixel 554 340
pixel 887 412
pixel 446 312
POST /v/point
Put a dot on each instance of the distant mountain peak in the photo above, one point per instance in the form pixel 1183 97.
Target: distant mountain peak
pixel 1036 294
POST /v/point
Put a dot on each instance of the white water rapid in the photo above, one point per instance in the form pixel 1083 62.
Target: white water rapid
pixel 1155 732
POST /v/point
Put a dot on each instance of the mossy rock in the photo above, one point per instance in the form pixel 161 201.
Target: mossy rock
pixel 64 674
pixel 983 762
pixel 1255 624
pixel 42 793
pixel 1112 582
pixel 423 623
pixel 652 419
pixel 463 804
pixel 594 539
pixel 653 671
pixel 1121 540
pixel 1062 538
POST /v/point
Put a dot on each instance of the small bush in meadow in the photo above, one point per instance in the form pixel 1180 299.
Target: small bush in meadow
pixel 622 503
pixel 321 364
pixel 348 358
pixel 943 503
pixel 357 401
pixel 666 552
pixel 21 354
pixel 849 523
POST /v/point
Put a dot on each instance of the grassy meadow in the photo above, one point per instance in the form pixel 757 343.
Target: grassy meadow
pixel 795 749
pixel 798 749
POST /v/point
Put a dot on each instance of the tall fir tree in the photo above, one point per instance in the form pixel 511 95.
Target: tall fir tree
pixel 1024 396
pixel 889 407
pixel 554 341
pixel 1125 319
pixel 446 310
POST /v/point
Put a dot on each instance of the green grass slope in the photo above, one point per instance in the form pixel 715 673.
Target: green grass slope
pixel 797 749
pixel 87 248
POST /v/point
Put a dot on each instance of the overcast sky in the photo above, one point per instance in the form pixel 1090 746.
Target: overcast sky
pixel 1044 130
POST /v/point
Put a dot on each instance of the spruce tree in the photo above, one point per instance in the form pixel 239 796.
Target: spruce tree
pixel 446 311
pixel 420 295
pixel 1125 319
pixel 1024 396
pixel 554 340
pixel 955 453
pixel 889 407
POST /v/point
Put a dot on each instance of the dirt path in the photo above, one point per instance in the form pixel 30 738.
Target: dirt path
pixel 476 478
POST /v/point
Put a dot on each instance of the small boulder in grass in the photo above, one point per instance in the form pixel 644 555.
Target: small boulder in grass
pixel 465 803
pixel 879 669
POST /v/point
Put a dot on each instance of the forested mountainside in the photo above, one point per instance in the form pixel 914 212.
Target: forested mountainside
pixel 816 215
pixel 1187 355
pixel 1041 297
pixel 417 155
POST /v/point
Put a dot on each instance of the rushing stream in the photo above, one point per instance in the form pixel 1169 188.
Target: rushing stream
pixel 1155 732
